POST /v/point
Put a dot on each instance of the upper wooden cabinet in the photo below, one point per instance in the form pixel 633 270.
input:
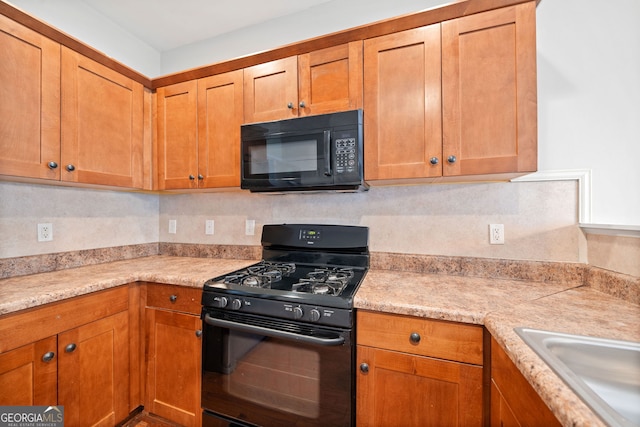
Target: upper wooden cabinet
pixel 489 92
pixel 29 102
pixel 402 105
pixel 198 132
pixel 476 117
pixel 102 124
pixel 318 82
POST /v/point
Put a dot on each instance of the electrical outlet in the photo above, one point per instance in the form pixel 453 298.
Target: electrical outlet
pixel 496 234
pixel 250 227
pixel 208 227
pixel 172 226
pixel 45 232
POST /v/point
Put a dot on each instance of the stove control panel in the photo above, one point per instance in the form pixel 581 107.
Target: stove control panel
pixel 309 313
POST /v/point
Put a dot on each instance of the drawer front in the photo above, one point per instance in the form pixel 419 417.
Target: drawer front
pixel 176 298
pixel 426 337
pixel 27 326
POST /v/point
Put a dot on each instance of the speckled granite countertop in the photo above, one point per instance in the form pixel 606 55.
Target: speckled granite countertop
pixel 499 304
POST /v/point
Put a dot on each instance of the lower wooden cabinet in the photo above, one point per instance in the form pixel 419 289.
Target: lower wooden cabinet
pixel 514 403
pixel 418 372
pixel 74 353
pixel 172 336
pixel 29 374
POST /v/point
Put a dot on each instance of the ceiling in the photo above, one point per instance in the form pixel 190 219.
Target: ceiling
pixel 170 24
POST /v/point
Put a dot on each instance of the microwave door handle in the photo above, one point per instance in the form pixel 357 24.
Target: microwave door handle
pixel 327 153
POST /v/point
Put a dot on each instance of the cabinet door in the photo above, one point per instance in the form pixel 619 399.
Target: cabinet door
pixel 220 113
pixel 489 92
pixel 402 104
pixel 102 124
pixel 514 402
pixel 173 366
pixel 401 389
pixel 271 90
pixel 29 375
pixel 29 102
pixel 330 79
pixel 177 135
pixel 93 372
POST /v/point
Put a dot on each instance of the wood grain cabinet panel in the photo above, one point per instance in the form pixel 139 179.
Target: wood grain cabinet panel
pixel 318 82
pixel 514 402
pixel 398 385
pixel 174 356
pixel 29 102
pixel 29 374
pixel 489 92
pixel 93 372
pixel 102 124
pixel 198 131
pixel 402 104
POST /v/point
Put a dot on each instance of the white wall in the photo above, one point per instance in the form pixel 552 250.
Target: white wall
pixel 588 77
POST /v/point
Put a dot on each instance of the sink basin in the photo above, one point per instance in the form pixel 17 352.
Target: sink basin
pixel 604 373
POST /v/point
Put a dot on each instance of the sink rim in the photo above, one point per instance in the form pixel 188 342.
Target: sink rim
pixel 535 339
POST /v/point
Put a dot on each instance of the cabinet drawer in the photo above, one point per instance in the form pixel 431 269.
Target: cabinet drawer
pixel 27 326
pixel 435 338
pixel 176 298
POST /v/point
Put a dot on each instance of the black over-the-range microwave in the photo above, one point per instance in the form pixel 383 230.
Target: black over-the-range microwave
pixel 323 152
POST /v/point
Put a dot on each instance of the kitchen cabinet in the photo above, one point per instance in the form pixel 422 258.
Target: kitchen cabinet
pixel 475 117
pixel 402 104
pixel 318 82
pixel 198 132
pixel 173 329
pixel 29 103
pixel 102 124
pixel 514 402
pixel 64 116
pixel 489 89
pixel 73 353
pixel 418 372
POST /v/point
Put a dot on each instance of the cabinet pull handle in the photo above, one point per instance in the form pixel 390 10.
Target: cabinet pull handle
pixel 451 159
pixel 48 356
pixel 200 176
pixel 302 104
pixel 70 168
pixel 290 105
pixel 70 348
pixel 414 337
pixel 191 177
pixel 364 368
pixel 199 333
pixel 52 165
pixel 434 160
pixel 173 298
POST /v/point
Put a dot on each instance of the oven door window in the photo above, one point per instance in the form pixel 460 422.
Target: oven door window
pixel 303 158
pixel 271 381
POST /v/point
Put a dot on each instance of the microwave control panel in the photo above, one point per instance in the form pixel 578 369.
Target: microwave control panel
pixel 346 155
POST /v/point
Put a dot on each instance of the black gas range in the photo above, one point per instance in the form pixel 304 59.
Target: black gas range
pixel 308 273
pixel 278 338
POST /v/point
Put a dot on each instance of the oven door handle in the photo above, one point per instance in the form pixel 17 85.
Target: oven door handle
pixel 272 332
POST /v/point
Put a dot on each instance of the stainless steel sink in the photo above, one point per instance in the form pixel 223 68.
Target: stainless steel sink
pixel 604 373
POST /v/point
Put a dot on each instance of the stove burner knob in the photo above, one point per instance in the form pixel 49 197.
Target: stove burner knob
pixel 236 304
pixel 221 302
pixel 297 313
pixel 314 315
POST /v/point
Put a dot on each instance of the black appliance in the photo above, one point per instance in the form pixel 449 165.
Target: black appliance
pixel 323 152
pixel 278 336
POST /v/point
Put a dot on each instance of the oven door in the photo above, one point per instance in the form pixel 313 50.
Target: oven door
pixel 268 372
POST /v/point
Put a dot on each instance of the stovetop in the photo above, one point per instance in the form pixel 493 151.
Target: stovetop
pixel 326 285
